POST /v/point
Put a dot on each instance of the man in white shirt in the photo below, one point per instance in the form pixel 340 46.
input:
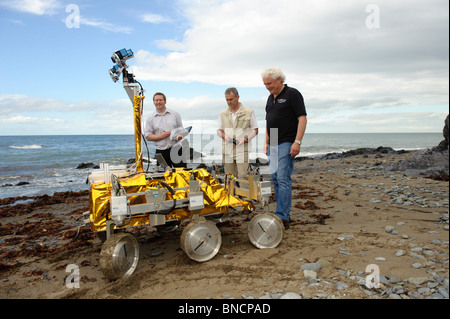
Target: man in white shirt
pixel 236 126
pixel 158 127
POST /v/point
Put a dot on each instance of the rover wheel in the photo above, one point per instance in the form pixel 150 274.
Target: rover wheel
pixel 201 240
pixel 119 256
pixel 265 230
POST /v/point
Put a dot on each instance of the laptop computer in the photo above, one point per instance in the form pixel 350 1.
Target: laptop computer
pixel 161 161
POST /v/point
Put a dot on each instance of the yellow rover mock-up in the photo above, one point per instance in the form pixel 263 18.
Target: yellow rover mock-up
pixel 122 197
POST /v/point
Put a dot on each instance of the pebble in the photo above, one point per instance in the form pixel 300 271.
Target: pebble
pixel 424 291
pixel 432 262
pixel 341 285
pixel 311 266
pixel 418 281
pixel 443 292
pixel 291 295
pixel 309 274
pixel 400 252
pixel 342 238
pixel 344 251
pixel 156 254
pixel 394 280
pixel 389 229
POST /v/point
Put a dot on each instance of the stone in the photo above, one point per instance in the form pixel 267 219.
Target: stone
pixel 418 280
pixel 432 284
pixel 423 291
pixel 443 292
pixel 344 251
pixel 394 280
pixel 388 229
pixel 398 289
pixel 156 254
pixel 400 252
pixel 311 266
pixel 342 238
pixel 88 165
pixel 291 295
pixel 428 252
pixel 340 285
pixel 324 263
pixel 309 274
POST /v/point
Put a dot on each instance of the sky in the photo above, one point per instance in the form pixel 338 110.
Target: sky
pixel 361 66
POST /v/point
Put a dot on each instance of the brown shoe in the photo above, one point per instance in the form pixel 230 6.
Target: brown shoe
pixel 285 224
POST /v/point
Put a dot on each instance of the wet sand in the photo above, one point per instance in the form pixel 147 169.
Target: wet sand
pixel 340 212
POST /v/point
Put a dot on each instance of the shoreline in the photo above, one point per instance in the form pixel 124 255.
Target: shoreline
pixel 257 161
pixel 348 213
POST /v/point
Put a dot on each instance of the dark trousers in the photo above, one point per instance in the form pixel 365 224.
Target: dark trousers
pixel 166 155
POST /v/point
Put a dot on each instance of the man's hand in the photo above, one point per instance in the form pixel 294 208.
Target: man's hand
pixel 165 135
pixel 295 149
pixel 226 138
pixel 241 141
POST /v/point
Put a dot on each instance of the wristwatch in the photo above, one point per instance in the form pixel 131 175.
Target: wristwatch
pixel 298 142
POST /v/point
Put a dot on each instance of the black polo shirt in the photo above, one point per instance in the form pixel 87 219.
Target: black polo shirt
pixel 283 112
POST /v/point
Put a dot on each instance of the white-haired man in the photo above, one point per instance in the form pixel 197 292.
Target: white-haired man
pixel 285 126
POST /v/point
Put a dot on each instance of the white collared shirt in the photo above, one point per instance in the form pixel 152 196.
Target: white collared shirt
pixel 159 123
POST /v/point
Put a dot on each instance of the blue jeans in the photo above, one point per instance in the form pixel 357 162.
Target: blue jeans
pixel 281 165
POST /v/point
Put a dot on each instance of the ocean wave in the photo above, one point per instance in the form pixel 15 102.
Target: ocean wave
pixel 26 147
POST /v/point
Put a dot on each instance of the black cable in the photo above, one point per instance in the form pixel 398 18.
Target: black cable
pixel 169 210
pixel 142 89
pixel 142 134
pixel 148 153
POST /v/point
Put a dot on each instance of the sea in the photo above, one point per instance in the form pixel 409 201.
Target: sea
pixel 38 165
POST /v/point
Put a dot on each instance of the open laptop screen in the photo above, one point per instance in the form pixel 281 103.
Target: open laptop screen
pixel 161 161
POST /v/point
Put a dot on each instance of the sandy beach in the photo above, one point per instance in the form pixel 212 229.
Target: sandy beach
pixel 347 214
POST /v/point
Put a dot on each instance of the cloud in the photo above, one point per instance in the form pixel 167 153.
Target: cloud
pixel 324 47
pixel 20 119
pixel 154 18
pixel 51 7
pixel 16 103
pixel 39 7
pixel 21 114
pixel 104 25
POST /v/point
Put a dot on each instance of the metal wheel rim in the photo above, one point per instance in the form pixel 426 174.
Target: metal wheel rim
pixel 201 240
pixel 119 256
pixel 265 230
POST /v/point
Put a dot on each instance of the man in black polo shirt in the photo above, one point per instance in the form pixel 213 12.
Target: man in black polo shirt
pixel 285 127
